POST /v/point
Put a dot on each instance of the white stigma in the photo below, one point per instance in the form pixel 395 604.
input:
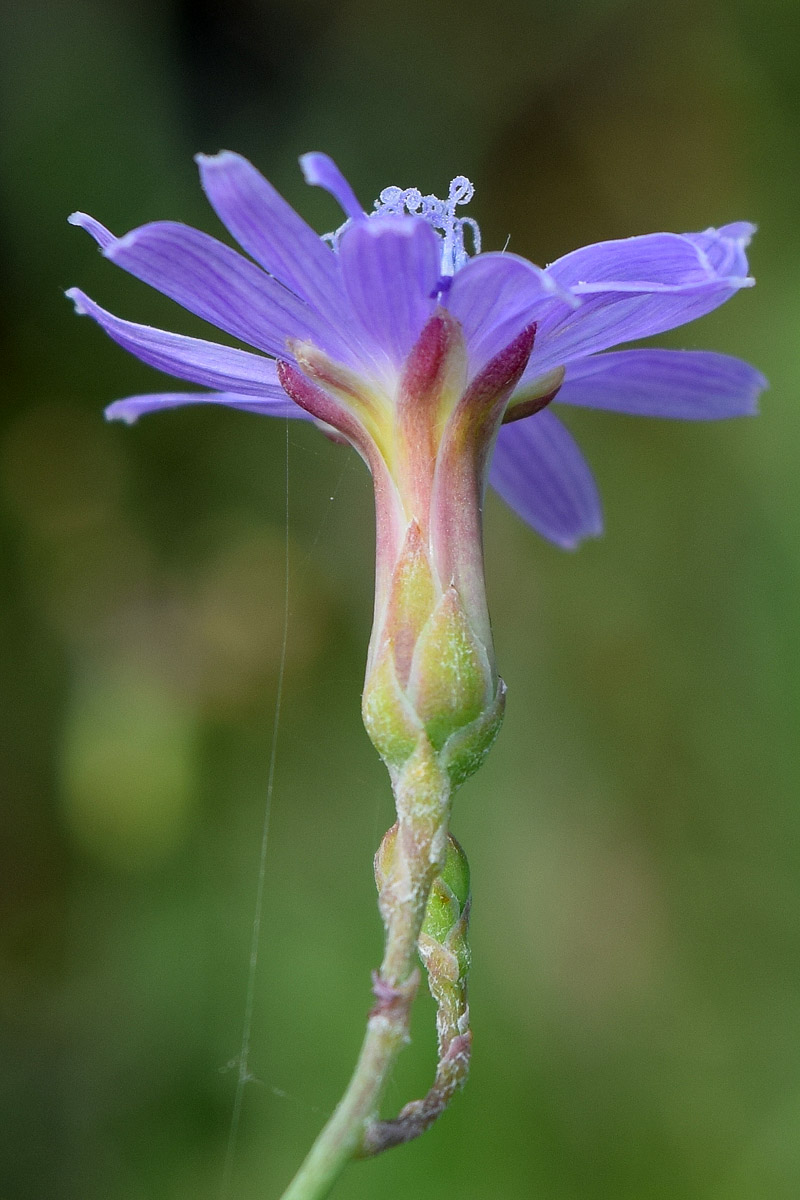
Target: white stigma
pixel 441 214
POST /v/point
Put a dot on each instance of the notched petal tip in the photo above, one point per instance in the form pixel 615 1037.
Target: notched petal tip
pixel 589 532
pixel 219 164
pixel 759 385
pixel 110 245
pixel 104 237
pixel 591 527
pixel 209 161
pixel 738 231
pixel 722 251
pixel 119 411
pixel 79 299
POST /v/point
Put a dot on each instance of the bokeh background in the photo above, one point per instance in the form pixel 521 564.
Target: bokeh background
pixel 635 835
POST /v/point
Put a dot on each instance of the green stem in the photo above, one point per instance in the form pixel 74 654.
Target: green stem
pixel 341 1139
pixel 422 797
pixel 395 986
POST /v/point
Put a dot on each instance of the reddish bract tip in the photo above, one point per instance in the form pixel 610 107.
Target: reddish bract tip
pixel 426 367
pixel 299 388
pixel 505 369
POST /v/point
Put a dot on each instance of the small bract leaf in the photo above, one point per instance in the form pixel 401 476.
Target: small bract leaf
pixel 451 680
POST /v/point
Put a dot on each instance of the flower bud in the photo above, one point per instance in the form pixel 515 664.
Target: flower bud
pixel 442 942
pixel 443 945
pixel 449 895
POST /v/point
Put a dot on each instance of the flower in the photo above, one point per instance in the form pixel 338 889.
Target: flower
pixel 335 320
pixel 439 366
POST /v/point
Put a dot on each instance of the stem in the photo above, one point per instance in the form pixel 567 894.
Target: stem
pixel 446 960
pixel 420 844
pixel 341 1139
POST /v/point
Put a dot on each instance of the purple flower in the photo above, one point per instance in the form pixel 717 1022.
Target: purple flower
pixel 347 310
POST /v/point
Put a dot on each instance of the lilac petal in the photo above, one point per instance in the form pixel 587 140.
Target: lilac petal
pixel 269 229
pixel 611 318
pixel 390 267
pixel 631 289
pixel 104 237
pixel 133 407
pixel 652 262
pixel 219 285
pixel 724 248
pixel 540 472
pixel 189 358
pixel 320 170
pixel 693 385
pixel 494 296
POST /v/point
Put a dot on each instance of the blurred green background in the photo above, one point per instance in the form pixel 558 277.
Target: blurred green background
pixel 635 834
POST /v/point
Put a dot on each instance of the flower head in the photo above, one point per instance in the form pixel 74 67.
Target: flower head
pixel 362 296
pixel 439 368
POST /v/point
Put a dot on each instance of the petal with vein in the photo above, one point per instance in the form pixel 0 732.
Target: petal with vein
pixel 188 358
pixel 541 473
pixel 612 318
pixel 319 170
pixel 390 267
pixel 725 248
pixel 692 385
pixel 495 296
pixel 133 407
pixel 270 230
pixel 650 262
pixel 634 288
pixel 221 286
pixel 104 237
